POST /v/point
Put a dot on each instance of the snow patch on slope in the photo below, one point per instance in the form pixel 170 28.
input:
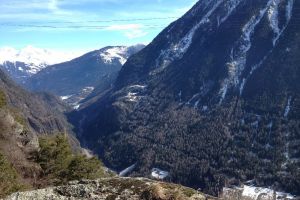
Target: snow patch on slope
pixel 76 107
pixel 75 99
pixel 134 93
pixel 186 41
pixel 287 108
pixel 159 174
pixel 137 87
pixel 253 69
pixel 256 193
pixel 289 8
pixel 239 53
pixel 230 6
pixel 127 171
pixel 66 97
pixel 178 49
pixel 111 54
pixel 273 18
pixel 131 96
pixel 269 126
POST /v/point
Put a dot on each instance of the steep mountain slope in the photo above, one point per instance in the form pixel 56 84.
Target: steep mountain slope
pixel 76 79
pixel 43 112
pixel 214 99
pixel 21 64
pixel 23 117
pixel 17 141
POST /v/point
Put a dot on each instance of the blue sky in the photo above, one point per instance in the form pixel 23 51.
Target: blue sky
pixel 85 24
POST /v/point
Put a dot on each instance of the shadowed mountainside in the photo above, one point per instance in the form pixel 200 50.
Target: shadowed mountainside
pixel 214 100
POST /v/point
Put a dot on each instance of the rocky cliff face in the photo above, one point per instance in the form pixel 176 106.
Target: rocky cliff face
pixel 114 188
pixel 214 99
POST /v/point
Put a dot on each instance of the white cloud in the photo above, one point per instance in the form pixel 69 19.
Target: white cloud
pixel 121 27
pixel 37 56
pixel 135 34
pixel 52 5
pixel 131 31
pixel 37 10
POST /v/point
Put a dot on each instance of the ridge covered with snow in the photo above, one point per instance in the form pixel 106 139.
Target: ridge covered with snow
pixel 34 58
pixel 110 54
pixel 118 53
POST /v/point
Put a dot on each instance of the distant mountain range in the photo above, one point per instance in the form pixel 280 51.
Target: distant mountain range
pixel 214 100
pixel 22 64
pixel 74 80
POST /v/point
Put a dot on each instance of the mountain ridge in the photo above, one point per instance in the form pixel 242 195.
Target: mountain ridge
pixel 21 64
pixel 76 79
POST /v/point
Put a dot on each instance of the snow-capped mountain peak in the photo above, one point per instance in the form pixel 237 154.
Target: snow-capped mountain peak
pixel 21 64
pixel 92 72
pixel 35 58
pixel 119 53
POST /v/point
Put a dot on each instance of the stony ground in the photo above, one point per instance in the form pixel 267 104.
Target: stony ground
pixel 113 188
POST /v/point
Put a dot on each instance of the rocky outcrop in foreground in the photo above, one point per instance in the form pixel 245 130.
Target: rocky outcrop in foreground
pixel 113 188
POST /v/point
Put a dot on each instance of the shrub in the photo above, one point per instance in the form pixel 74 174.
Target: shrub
pixel 54 156
pixel 3 101
pixel 82 167
pixel 9 180
pixel 60 165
